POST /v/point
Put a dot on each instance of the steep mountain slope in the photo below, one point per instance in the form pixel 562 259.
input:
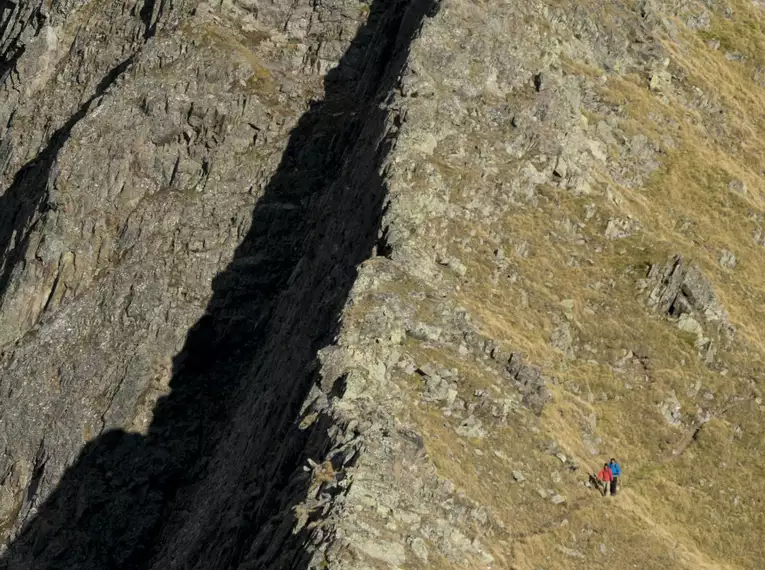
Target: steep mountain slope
pixel 349 285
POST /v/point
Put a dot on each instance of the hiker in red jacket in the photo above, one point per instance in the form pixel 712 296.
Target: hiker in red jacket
pixel 606 477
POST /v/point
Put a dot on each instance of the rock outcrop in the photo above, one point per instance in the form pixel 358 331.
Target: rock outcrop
pixel 681 292
pixel 126 444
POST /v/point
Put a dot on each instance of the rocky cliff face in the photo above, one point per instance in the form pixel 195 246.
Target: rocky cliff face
pixel 366 285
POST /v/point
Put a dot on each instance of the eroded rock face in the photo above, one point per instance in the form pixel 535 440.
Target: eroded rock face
pixel 149 421
pixel 679 290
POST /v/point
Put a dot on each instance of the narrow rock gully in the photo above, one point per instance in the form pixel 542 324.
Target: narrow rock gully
pixel 214 481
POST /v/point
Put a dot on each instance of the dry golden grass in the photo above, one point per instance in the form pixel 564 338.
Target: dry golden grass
pixel 701 510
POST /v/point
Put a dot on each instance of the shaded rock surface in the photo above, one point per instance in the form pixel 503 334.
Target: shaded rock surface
pixel 239 146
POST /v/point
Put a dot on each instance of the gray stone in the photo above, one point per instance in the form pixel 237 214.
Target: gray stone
pixel 458 267
pixel 436 389
pixel 670 409
pixel 620 228
pixel 419 548
pixel 660 81
pixel 454 264
pixel 727 259
pixel 737 186
pixel 687 323
pixel 529 382
pixel 471 427
pixel 563 340
pixel 561 167
pixel 451 396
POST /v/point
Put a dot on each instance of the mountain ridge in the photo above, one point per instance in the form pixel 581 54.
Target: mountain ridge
pixel 378 285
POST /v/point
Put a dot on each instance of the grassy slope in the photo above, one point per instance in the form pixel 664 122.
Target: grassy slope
pixel 703 509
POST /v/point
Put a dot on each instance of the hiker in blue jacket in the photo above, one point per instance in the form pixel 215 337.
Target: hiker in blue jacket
pixel 616 471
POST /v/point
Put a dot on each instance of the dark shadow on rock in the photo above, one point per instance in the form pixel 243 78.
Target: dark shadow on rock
pixel 26 199
pixel 13 53
pixel 215 481
pixel 148 17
